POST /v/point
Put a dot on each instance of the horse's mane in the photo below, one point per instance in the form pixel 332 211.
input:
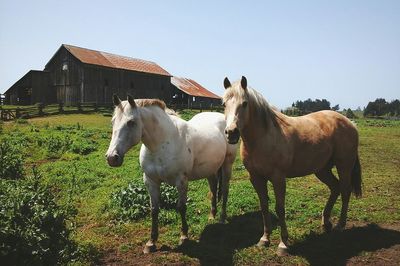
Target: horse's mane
pixel 259 106
pixel 150 102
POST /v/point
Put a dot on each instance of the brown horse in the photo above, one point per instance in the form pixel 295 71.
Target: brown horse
pixel 275 147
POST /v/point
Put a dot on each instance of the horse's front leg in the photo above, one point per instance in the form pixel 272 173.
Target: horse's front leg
pixel 154 189
pixel 279 184
pixel 226 176
pixel 260 185
pixel 212 182
pixel 182 186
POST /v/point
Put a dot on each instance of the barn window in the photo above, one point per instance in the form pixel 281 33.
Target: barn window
pixel 105 82
pixel 194 98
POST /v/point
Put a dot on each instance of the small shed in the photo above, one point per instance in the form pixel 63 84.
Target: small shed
pixel 30 89
pixel 189 93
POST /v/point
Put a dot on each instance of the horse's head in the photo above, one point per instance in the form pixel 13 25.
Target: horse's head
pixel 235 100
pixel 127 130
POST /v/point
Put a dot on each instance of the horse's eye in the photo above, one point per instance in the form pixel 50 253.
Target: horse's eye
pixel 244 104
pixel 130 123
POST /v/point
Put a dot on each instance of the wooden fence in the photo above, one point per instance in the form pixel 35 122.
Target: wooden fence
pixel 38 110
pixel 10 113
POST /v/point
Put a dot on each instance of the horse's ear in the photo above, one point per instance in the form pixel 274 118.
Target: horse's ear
pixel 227 83
pixel 243 82
pixel 131 101
pixel 116 100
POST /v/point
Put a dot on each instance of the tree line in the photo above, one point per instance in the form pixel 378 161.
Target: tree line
pixel 379 107
pixel 309 106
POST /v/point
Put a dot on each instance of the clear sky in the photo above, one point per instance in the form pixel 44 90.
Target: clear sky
pixel 347 52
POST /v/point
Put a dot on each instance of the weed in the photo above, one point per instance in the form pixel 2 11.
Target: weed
pixel 33 227
pixel 11 161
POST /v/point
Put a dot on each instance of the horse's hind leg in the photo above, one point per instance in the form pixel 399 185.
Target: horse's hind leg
pixel 328 178
pixel 345 191
pixel 226 173
pixel 182 186
pixel 212 182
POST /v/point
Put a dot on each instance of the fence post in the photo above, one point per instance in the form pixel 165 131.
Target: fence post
pixel 60 108
pixel 17 113
pixel 40 109
pixel 79 107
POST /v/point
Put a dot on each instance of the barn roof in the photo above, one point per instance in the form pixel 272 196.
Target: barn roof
pixel 99 58
pixel 192 88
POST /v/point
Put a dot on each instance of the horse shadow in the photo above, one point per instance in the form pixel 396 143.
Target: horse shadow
pixel 336 248
pixel 218 242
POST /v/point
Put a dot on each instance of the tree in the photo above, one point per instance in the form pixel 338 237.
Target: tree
pixel 350 114
pixel 377 108
pixel 336 107
pixel 309 106
pixel 394 108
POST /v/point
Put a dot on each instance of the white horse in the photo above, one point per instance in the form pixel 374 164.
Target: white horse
pixel 173 151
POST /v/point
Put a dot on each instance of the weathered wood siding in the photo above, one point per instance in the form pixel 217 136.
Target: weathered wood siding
pixel 101 82
pixel 92 83
pixel 32 88
pixel 65 82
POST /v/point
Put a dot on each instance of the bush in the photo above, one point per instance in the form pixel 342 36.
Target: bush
pixel 11 161
pixel 33 227
pixel 55 145
pixel 83 146
pixel 133 202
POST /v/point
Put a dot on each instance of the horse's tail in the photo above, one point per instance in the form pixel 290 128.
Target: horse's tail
pixel 356 178
pixel 219 184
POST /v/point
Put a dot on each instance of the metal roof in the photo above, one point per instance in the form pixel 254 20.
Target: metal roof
pixel 192 88
pixel 99 58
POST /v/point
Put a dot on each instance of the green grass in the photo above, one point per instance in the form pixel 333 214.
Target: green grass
pixel 212 243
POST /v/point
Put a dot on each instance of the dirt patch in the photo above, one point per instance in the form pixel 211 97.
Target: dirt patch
pixel 359 244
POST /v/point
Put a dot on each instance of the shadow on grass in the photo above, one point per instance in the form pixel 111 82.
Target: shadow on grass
pixel 218 242
pixel 336 248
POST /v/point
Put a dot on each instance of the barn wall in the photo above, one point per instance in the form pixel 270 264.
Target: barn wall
pixel 20 92
pixel 41 89
pixel 66 83
pixel 100 83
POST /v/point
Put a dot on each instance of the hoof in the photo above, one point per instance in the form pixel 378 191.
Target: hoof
pixel 282 250
pixel 211 217
pixel 327 227
pixel 263 243
pixel 222 220
pixel 339 228
pixel 183 240
pixel 149 248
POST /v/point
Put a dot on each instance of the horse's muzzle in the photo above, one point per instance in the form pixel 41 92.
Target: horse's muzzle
pixel 232 135
pixel 114 159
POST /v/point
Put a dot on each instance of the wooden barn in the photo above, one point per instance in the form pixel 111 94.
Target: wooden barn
pixel 79 75
pixel 187 92
pixel 76 74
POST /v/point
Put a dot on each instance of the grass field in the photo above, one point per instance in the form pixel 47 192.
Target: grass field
pixel 372 235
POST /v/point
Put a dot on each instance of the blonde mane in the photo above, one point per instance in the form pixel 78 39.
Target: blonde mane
pixel 150 102
pixel 146 103
pixel 260 108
